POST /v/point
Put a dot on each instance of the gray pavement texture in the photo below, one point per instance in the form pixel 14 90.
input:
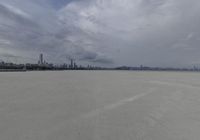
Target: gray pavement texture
pixel 100 105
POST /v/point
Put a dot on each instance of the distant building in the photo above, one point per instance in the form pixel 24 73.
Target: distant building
pixel 41 60
pixel 72 64
pixel 75 66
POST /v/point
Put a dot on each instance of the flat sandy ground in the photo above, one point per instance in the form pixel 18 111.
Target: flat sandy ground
pixel 100 105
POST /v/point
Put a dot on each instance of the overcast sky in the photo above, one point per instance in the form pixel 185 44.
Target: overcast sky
pixel 102 32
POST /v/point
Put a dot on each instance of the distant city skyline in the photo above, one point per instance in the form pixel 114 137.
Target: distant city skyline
pixel 107 33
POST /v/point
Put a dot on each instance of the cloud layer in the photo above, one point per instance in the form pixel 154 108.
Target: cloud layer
pixel 102 32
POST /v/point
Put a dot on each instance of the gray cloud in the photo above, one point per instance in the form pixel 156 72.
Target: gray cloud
pixel 105 32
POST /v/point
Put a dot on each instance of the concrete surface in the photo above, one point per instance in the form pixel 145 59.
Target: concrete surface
pixel 100 105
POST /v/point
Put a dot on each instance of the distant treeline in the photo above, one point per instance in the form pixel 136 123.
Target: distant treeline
pixel 143 68
pixel 9 66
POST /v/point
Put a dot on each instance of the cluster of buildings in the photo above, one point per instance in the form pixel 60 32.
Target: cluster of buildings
pixel 42 62
pixel 44 65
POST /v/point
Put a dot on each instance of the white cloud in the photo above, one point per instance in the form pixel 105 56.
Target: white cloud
pixel 16 10
pixel 4 42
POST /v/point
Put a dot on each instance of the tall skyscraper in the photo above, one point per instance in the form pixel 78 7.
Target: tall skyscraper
pixel 41 61
pixel 72 63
